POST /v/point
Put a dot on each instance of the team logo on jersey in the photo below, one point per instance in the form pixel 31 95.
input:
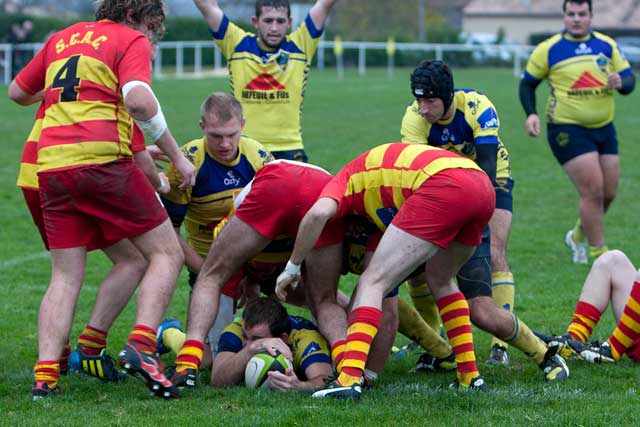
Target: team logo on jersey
pixel 265 87
pixel 473 106
pixel 603 63
pixel 447 136
pixel 583 49
pixel 587 81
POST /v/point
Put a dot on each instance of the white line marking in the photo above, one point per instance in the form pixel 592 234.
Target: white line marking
pixel 21 260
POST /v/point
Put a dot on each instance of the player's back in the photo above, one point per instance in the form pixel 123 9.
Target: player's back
pixel 82 69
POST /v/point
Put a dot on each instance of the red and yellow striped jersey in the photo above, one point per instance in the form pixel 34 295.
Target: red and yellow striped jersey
pixel 82 70
pixel 377 183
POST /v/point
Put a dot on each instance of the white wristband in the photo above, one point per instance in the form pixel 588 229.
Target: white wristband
pixel 292 269
pixel 163 187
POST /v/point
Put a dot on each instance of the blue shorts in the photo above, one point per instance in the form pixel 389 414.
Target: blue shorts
pixel 297 155
pixel 474 278
pixel 504 193
pixel 570 141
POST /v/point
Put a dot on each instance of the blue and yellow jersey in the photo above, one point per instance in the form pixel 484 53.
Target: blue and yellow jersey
pixel 474 122
pixel 211 198
pixel 270 84
pixel 306 343
pixel 577 71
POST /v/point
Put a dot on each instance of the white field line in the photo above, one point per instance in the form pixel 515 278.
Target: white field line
pixel 21 260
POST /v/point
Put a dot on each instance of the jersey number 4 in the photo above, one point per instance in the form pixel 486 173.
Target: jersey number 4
pixel 67 79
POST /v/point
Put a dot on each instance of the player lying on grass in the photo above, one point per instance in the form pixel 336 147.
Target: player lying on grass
pixel 612 279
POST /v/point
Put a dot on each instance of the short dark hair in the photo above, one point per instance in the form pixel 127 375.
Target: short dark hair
pixel 150 12
pixel 222 106
pixel 433 79
pixel 564 4
pixel 269 311
pixel 276 4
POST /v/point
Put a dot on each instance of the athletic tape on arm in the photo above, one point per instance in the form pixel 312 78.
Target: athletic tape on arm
pixel 156 125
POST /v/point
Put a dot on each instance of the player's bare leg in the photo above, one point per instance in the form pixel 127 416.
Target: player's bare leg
pixel 383 342
pixel 585 173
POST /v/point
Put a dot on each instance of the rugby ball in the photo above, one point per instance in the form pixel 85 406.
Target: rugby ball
pixel 255 374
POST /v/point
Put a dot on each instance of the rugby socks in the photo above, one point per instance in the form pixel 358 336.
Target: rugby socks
pixel 337 353
pixel 585 318
pixel 64 358
pixel 503 290
pixel 413 326
pixel 628 329
pixel 47 371
pixel 363 327
pixel 92 340
pixel 190 355
pixel 173 339
pixel 144 337
pixel 424 302
pixel 596 251
pixel 454 311
pixel 524 340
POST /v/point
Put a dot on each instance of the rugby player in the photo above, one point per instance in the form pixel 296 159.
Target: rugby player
pixel 92 191
pixel 583 67
pixel 269 69
pixel 466 122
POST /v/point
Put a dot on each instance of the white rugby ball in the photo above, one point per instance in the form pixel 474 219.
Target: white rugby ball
pixel 255 374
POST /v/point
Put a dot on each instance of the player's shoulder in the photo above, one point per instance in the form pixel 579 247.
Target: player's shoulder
pixel 234 328
pixel 603 37
pixel 194 151
pixel 300 323
pixel 254 150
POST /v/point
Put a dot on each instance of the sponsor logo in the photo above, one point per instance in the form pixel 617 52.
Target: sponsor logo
pixel 587 81
pixel 231 179
pixel 265 87
pixel 447 136
pixel 311 348
pixel 488 119
pixel 583 49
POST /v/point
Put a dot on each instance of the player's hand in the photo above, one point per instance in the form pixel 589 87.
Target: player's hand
pixel 287 279
pixel 273 346
pixel 164 184
pixel 614 81
pixel 158 156
pixel 187 171
pixel 532 125
pixel 284 382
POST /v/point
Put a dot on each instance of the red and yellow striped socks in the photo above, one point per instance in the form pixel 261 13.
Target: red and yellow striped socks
pixel 92 340
pixel 144 337
pixel 628 329
pixel 47 371
pixel 454 312
pixel 337 353
pixel 585 318
pixel 190 355
pixel 363 327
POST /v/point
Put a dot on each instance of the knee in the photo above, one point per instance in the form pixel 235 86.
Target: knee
pixel 482 313
pixel 610 261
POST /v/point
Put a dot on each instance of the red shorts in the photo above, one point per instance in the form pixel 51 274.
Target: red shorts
pixel 98 205
pixel 278 198
pixel 32 198
pixel 455 204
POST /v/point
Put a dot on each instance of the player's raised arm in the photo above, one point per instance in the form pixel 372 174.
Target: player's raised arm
pixel 320 11
pixel 211 12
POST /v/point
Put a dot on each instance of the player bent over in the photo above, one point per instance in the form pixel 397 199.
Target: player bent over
pixel 432 205
pixel 91 189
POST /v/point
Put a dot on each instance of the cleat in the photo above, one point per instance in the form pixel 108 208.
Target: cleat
pixel 183 379
pixel 592 352
pixel 41 390
pixel 498 356
pixel 553 366
pixel 559 341
pixel 148 368
pixel 429 363
pixel 578 250
pixel 101 366
pixel 476 384
pixel 338 391
pixel 167 323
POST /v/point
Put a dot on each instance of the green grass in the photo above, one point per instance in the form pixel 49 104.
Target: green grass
pixel 341 119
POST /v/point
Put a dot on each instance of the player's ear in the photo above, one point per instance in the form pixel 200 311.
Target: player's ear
pixel 254 21
pixel 242 122
pixel 201 125
pixel 284 337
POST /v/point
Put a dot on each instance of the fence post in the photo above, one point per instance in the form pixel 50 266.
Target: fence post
pixel 217 59
pixel 157 62
pixel 197 60
pixel 8 64
pixel 321 57
pixel 362 60
pixel 179 59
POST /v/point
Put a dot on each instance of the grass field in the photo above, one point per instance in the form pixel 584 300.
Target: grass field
pixel 341 119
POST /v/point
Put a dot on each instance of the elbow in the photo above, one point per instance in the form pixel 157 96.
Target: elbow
pixel 17 95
